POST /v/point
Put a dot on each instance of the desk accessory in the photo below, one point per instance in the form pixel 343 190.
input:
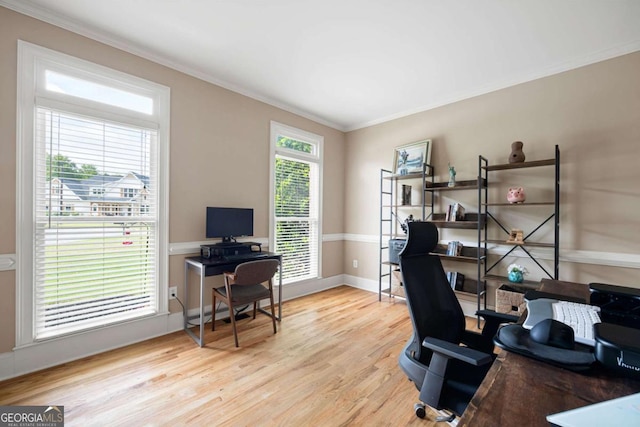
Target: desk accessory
pixel 618 348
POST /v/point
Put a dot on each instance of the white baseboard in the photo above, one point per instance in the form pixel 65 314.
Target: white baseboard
pixel 45 354
pixel 362 283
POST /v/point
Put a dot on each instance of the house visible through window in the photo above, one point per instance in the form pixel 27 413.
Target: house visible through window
pixel 296 177
pixel 97 183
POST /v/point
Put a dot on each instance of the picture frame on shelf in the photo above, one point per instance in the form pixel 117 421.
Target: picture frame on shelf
pixel 409 158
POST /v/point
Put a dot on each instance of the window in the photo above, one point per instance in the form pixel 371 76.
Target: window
pixel 129 192
pixel 296 173
pixel 90 138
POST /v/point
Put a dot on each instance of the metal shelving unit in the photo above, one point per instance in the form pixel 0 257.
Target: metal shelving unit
pixel 492 212
pixel 391 217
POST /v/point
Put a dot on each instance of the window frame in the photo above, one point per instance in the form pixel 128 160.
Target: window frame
pixel 316 157
pixel 33 60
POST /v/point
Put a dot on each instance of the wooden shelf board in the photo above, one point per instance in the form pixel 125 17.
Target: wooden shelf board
pixel 406 176
pixel 405 206
pixel 526 243
pixel 459 258
pixel 457 224
pixel 520 204
pixel 530 283
pixel 533 164
pixel 460 185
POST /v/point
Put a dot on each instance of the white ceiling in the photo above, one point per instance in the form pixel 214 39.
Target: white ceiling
pixel 353 63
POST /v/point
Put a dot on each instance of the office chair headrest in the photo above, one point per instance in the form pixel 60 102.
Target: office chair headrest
pixel 422 238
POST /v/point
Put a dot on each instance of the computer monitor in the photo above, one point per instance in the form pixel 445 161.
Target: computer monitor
pixel 229 223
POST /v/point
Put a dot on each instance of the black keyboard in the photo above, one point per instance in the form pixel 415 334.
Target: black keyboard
pixel 247 257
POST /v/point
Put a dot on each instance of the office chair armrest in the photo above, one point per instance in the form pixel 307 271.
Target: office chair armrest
pixel 490 316
pixel 450 350
pixel 492 321
pixel 443 351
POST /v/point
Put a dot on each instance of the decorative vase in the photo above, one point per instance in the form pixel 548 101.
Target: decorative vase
pixel 516 276
pixel 517 155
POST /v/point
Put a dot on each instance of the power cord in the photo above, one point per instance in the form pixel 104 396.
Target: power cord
pixel 189 323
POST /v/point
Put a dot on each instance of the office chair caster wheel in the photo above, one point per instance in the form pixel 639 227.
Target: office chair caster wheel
pixel 420 410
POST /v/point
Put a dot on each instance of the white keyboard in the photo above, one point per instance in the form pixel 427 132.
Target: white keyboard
pixel 581 318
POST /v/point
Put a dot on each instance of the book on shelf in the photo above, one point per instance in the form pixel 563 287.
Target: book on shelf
pixel 454 248
pixel 456 280
pixel 455 212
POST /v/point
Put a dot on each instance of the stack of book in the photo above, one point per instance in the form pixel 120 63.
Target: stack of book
pixel 454 248
pixel 456 280
pixel 455 212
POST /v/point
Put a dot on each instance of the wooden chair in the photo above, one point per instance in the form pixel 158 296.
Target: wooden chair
pixel 245 286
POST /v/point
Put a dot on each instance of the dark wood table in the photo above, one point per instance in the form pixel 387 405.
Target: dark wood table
pixel 522 391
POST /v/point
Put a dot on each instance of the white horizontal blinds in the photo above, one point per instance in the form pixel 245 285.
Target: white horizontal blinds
pixel 296 213
pixel 96 222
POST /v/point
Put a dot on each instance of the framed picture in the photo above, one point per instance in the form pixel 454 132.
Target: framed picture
pixel 410 158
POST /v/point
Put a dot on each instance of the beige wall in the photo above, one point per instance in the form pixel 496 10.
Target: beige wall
pixel 219 155
pixel 592 113
pixel 219 151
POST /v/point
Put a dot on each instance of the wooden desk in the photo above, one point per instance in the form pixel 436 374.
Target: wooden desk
pixel 206 267
pixel 522 391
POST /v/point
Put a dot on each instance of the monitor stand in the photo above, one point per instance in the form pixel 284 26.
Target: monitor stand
pixel 221 249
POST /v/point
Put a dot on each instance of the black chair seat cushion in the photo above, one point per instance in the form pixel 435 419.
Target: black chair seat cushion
pixel 244 293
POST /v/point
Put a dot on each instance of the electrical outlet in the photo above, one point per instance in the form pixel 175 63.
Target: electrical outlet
pixel 355 263
pixel 173 292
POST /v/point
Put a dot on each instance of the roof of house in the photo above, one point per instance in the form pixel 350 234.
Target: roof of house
pixel 83 187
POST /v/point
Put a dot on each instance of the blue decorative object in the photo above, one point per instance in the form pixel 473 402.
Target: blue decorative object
pixel 452 176
pixel 516 276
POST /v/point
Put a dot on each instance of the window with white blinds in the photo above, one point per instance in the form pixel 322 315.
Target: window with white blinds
pixel 96 192
pixel 296 202
pixel 96 222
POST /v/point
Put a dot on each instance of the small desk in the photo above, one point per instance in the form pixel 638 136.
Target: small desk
pixel 206 267
pixel 522 391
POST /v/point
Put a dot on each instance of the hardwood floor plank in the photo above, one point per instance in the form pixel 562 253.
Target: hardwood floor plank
pixel 333 362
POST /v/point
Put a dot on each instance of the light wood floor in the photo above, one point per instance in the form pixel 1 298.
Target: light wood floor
pixel 333 362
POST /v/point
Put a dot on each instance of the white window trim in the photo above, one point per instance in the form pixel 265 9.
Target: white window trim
pixel 30 58
pixel 301 135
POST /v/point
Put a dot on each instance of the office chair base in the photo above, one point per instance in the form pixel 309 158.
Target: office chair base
pixel 446 418
pixel 420 410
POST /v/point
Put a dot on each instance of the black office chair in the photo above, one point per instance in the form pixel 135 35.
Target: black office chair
pixel 444 361
pixel 245 286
